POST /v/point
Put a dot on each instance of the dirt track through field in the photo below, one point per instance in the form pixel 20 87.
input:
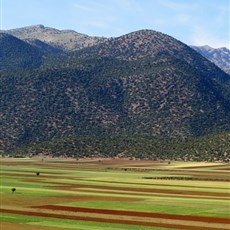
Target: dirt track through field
pixel 104 220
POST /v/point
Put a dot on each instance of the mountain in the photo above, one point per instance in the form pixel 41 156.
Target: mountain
pixel 66 40
pixel 16 54
pixel 133 89
pixel 220 56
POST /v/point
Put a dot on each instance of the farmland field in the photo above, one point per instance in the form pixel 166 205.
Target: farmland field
pixel 113 194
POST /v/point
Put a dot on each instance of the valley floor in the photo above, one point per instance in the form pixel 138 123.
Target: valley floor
pixel 113 194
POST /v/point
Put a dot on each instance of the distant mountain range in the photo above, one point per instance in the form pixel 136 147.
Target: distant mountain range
pixel 220 56
pixel 109 96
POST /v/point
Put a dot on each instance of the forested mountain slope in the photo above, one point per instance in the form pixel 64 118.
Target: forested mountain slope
pixel 141 85
pixel 16 54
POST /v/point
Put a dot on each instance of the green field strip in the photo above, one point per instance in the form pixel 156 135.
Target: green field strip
pixel 115 183
pixel 192 201
pixel 114 192
pixel 45 182
pixel 23 159
pixel 25 191
pixel 200 173
pixel 152 190
pixel 77 166
pixel 65 171
pixel 181 201
pixel 80 225
pixel 223 168
pixel 107 182
pixel 191 164
pixel 152 207
pixel 49 192
pixel 149 193
pixel 142 196
pixel 19 168
pixel 140 179
pixel 22 184
pixel 129 195
pixel 155 183
pixel 69 224
pixel 31 170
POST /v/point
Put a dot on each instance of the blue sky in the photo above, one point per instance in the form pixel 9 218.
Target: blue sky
pixel 194 22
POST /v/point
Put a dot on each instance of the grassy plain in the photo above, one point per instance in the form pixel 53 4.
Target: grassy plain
pixel 113 194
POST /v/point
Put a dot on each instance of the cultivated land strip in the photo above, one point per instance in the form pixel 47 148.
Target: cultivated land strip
pixel 181 225
pixel 115 193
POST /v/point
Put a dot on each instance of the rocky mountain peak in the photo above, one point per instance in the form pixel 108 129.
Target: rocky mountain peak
pixel 66 40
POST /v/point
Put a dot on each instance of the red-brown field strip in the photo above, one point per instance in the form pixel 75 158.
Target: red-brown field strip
pixel 114 221
pixel 134 213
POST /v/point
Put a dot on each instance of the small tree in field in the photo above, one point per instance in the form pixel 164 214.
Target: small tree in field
pixel 13 190
pixel 38 173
